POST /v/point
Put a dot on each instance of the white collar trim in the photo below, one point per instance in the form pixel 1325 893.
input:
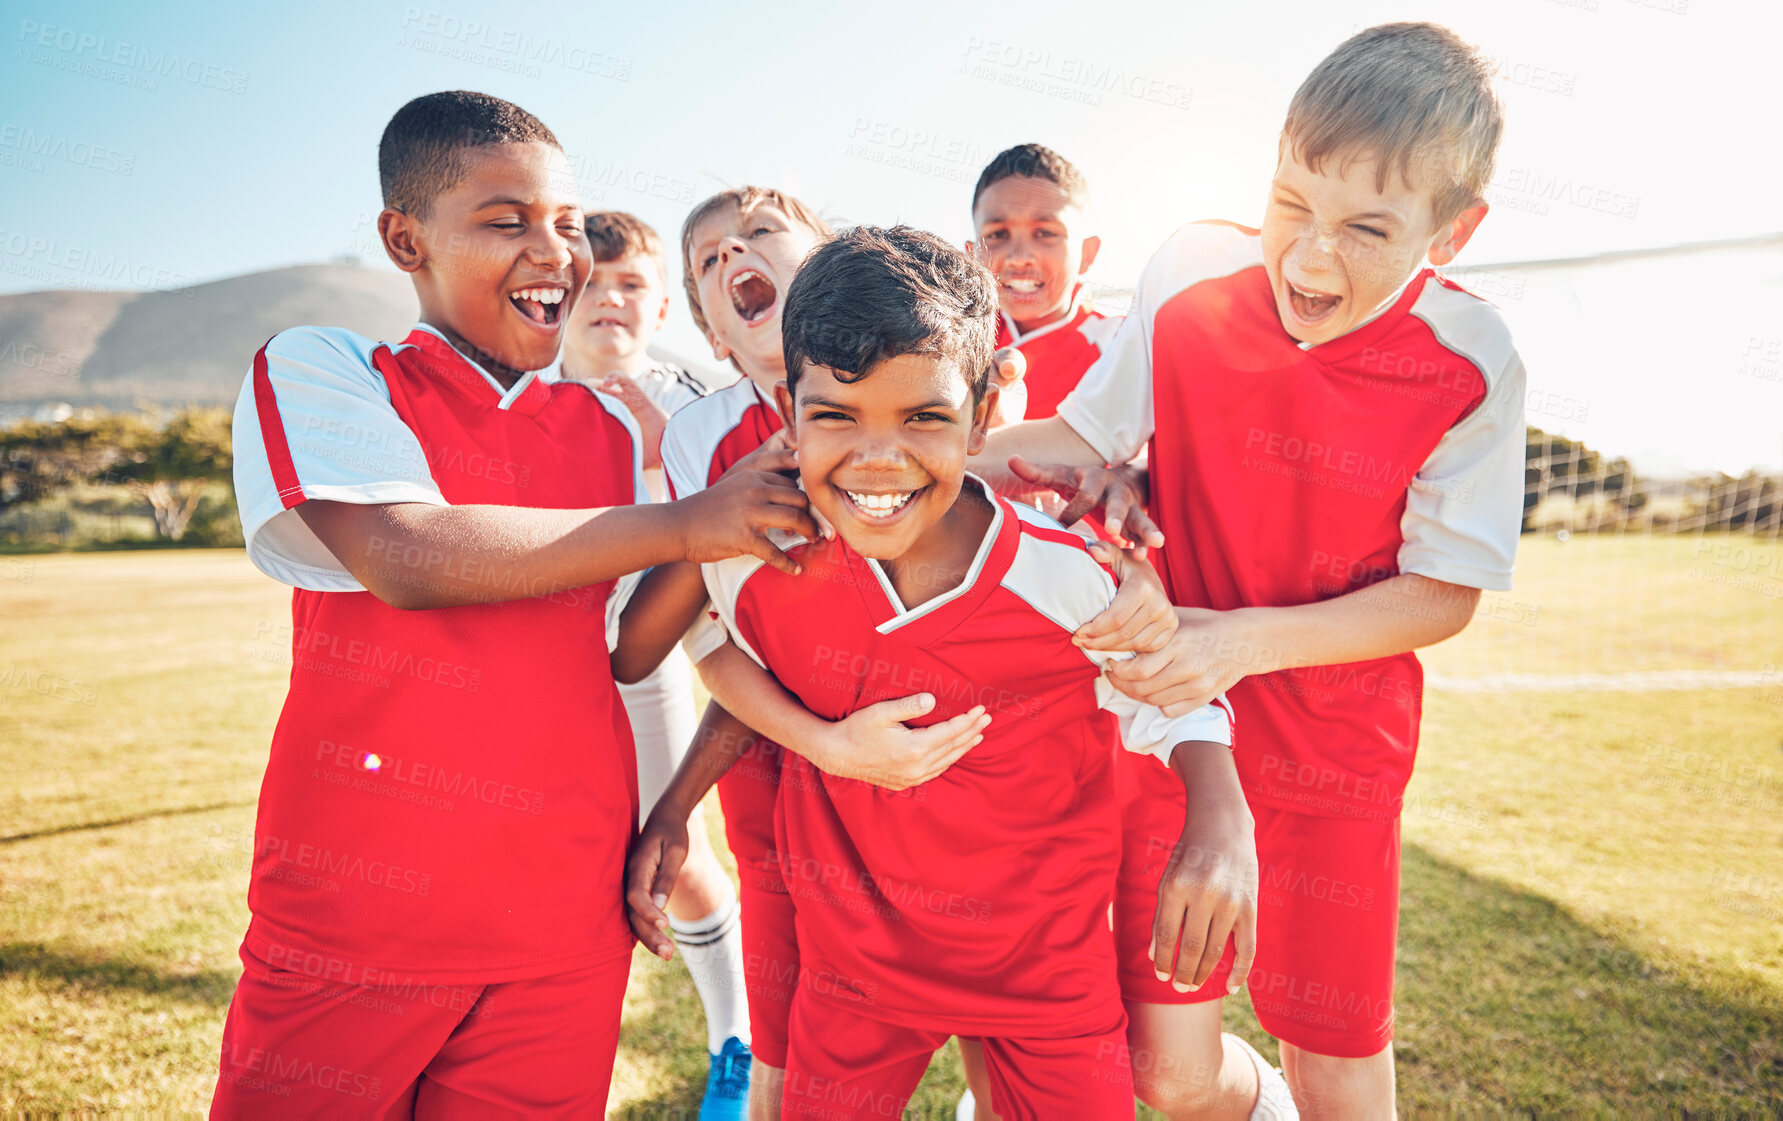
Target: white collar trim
pixel 904 616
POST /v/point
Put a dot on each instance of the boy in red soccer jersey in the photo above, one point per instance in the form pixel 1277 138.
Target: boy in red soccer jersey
pixel 438 923
pixel 1030 211
pixel 1336 466
pixel 976 903
pixel 740 250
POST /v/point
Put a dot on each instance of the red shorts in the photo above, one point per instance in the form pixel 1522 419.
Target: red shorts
pixel 1327 916
pixel 294 1046
pixel 843 1064
pixel 748 792
pixel 1327 931
pixel 1152 809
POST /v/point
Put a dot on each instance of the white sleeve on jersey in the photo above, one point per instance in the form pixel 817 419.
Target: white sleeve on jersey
pixel 681 458
pixel 1063 582
pixel 1111 407
pixel 724 584
pixel 1464 509
pixel 347 444
pixel 627 584
pixel 688 444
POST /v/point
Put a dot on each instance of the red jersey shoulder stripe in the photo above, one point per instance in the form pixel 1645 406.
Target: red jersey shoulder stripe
pixel 272 433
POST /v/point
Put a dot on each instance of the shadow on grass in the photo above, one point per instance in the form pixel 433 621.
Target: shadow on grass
pixel 132 819
pixel 42 967
pixel 1506 999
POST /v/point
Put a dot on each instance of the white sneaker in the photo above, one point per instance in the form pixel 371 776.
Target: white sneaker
pixel 1275 1102
pixel 967 1110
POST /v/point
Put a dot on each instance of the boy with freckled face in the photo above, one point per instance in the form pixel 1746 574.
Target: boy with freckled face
pixel 1336 452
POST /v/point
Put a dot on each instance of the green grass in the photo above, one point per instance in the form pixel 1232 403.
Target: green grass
pixel 1593 882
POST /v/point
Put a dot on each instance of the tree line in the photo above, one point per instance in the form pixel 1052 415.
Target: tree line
pixel 170 462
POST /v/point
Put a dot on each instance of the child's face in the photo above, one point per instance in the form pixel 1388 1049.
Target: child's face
pixel 883 458
pixel 621 308
pixel 1032 237
pixel 1336 247
pixel 743 263
pixel 502 257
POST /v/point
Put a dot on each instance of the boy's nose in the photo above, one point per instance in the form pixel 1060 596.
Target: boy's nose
pixel 552 251
pixel 879 454
pixel 730 247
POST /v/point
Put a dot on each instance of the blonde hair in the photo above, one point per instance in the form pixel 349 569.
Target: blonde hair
pixel 614 235
pixel 1414 97
pixel 743 200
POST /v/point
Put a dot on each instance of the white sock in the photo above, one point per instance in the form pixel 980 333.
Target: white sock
pixel 712 947
pixel 1275 1102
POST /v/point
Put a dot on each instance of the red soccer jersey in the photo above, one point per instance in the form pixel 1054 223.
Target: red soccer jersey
pixel 1058 353
pixel 1282 475
pixel 978 902
pixel 705 438
pixel 450 793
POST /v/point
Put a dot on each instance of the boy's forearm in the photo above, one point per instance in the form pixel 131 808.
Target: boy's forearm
pixel 759 701
pixel 1210 779
pixel 413 555
pixel 1049 441
pixel 665 603
pixel 1398 614
pixel 721 740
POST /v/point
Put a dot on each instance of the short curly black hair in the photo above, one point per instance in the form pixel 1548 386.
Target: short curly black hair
pixel 1034 161
pixel 871 294
pixel 422 153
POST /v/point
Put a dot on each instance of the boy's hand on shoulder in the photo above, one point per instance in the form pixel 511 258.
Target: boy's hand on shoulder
pixel 873 745
pixel 651 869
pixel 1140 617
pixel 649 415
pixel 1210 652
pixel 1208 892
pixel 1120 492
pixel 732 517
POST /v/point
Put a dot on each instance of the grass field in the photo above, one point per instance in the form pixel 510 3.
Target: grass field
pixel 1593 880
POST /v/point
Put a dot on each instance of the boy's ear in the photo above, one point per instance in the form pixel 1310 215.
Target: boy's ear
pixel 981 419
pixel 397 231
pixel 662 313
pixel 783 398
pixel 719 350
pixel 1092 245
pixel 1451 240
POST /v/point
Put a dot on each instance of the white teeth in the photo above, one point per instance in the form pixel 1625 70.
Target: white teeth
pixel 1310 295
pixel 540 295
pixel 1024 285
pixel 879 505
pixel 745 275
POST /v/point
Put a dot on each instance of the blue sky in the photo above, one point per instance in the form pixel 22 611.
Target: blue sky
pixel 160 145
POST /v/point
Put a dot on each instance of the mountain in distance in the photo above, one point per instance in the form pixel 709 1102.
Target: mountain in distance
pixel 124 350
pixel 162 349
